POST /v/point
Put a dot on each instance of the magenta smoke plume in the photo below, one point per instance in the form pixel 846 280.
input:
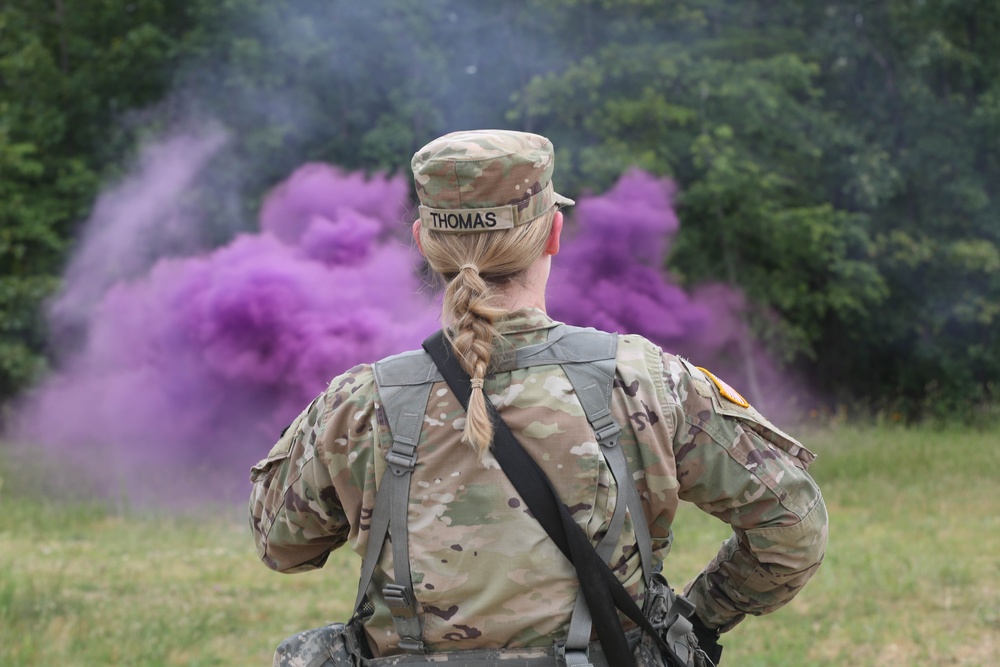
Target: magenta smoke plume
pixel 610 276
pixel 202 360
pixel 611 272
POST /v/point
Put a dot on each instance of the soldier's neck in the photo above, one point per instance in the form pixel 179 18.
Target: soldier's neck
pixel 526 290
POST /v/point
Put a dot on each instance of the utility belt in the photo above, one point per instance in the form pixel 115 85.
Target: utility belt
pixel 339 645
pixel 345 645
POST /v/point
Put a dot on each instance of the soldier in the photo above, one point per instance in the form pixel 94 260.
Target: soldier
pixel 483 572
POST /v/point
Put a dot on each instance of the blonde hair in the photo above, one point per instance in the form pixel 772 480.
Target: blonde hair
pixel 473 265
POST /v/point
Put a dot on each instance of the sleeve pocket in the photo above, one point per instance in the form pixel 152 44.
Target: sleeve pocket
pixel 751 418
pixel 278 453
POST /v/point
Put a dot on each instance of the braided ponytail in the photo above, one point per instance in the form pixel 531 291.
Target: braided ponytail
pixel 472 265
pixel 466 302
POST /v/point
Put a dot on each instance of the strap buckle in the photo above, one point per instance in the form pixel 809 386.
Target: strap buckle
pixel 607 430
pixel 411 644
pixel 400 599
pixel 571 657
pixel 400 460
pixel 402 605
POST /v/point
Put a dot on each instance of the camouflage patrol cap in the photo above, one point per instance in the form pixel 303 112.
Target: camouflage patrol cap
pixel 482 180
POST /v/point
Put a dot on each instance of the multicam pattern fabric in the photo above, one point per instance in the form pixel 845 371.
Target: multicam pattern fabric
pixel 486 170
pixel 485 573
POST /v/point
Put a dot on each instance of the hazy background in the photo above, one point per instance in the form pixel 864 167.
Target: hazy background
pixel 798 195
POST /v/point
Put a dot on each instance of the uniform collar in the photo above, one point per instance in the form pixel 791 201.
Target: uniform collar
pixel 523 321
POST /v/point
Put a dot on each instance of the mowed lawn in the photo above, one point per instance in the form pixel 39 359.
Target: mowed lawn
pixel 912 576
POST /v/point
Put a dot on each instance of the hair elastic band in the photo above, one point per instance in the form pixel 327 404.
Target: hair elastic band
pixel 477 383
pixel 468 266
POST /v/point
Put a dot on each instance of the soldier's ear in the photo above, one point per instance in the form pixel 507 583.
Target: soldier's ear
pixel 552 245
pixel 416 235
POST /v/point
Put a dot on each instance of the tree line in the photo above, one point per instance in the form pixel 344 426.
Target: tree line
pixel 836 160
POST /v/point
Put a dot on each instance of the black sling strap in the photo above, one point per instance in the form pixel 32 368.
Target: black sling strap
pixel 601 588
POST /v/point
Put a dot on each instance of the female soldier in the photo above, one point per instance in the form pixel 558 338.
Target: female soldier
pixel 483 574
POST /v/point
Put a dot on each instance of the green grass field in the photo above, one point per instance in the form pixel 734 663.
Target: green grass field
pixel 912 576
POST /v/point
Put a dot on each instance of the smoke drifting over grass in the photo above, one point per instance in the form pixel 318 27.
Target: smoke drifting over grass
pixel 198 362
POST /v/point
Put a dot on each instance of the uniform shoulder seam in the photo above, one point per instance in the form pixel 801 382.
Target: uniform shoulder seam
pixel 653 355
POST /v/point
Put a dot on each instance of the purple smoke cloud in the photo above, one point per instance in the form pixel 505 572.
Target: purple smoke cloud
pixel 610 275
pixel 200 361
pixel 134 224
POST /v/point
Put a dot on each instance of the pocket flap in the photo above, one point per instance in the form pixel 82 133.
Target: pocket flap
pixel 279 452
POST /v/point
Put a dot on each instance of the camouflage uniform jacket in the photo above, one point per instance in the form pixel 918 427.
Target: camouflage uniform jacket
pixel 484 571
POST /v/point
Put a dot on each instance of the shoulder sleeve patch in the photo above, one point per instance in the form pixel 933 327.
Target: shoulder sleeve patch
pixel 727 392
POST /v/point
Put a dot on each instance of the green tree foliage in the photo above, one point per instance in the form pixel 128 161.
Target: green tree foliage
pixel 836 159
pixel 915 85
pixel 68 71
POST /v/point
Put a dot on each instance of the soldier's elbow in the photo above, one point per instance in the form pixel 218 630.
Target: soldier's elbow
pixel 815 534
pixel 794 548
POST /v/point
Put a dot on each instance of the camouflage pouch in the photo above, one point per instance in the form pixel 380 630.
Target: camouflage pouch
pixel 334 645
pixel 668 614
